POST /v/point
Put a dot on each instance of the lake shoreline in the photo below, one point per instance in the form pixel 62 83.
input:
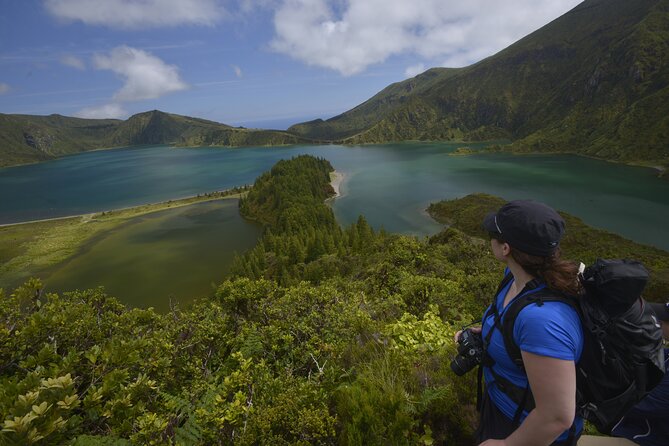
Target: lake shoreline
pixel 150 207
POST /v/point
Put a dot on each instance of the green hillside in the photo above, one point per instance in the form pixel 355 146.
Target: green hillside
pixel 26 139
pixel 594 81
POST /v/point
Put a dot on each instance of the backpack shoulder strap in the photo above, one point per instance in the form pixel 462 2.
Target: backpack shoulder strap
pixel 505 281
pixel 493 307
pixel 515 307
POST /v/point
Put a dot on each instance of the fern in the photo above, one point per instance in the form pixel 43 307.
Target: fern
pixel 187 431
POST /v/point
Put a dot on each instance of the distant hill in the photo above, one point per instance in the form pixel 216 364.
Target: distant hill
pixel 26 138
pixel 594 81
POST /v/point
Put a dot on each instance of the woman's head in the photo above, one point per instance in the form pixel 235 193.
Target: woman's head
pixel 529 226
pixel 529 232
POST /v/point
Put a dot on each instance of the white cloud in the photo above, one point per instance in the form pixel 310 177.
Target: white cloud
pixel 138 13
pixel 73 61
pixel 4 88
pixel 349 35
pixel 107 111
pixel 146 76
pixel 414 70
pixel 238 71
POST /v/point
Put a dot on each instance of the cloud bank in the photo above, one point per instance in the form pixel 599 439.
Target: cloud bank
pixel 137 14
pixel 4 88
pixel 145 75
pixel 350 35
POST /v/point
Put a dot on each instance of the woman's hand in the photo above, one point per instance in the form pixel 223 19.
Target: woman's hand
pixel 459 332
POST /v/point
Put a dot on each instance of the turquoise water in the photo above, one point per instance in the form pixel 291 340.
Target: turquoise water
pixel 390 184
pixel 173 255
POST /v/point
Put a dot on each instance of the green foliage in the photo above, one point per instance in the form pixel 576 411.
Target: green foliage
pixel 322 335
pixel 409 334
pixel 42 410
pixel 299 227
pixel 395 398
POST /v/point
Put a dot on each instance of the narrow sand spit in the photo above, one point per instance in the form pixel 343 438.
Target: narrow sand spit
pixel 336 178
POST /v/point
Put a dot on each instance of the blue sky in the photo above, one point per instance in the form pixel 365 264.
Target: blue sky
pixel 265 63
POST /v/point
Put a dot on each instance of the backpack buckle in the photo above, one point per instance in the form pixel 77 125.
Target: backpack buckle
pixel 588 409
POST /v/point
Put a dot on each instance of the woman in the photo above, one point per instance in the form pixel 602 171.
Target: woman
pixel 525 235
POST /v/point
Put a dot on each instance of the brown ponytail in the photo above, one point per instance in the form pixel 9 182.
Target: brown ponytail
pixel 560 275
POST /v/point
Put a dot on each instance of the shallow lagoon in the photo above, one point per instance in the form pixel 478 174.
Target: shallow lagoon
pixel 176 254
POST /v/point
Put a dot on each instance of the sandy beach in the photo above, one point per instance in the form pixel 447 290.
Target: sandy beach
pixel 336 178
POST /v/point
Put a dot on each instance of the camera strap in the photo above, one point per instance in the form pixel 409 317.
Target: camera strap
pixel 487 360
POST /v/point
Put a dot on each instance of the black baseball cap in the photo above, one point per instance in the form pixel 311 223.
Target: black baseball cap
pixel 529 226
pixel 661 311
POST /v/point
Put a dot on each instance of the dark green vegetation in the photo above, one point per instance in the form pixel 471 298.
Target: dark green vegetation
pixel 594 81
pixel 322 335
pixel 26 139
pixel 581 242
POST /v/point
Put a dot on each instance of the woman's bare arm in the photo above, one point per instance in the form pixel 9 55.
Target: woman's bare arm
pixel 553 384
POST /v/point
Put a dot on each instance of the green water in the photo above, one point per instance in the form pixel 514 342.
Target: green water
pixel 176 254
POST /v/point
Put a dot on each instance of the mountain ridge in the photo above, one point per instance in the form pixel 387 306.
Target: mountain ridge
pixel 594 81
pixel 29 138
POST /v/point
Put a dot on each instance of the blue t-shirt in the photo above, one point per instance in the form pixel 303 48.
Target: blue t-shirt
pixel 552 329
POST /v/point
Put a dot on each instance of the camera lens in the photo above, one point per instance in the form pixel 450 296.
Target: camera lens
pixel 462 364
pixel 470 349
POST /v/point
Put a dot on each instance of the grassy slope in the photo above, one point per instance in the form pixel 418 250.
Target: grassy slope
pixel 594 81
pixel 26 139
pixel 369 112
pixel 581 242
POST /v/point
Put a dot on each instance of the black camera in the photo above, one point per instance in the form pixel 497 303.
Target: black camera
pixel 470 352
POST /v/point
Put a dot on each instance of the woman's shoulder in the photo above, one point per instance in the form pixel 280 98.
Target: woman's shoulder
pixel 550 311
pixel 553 329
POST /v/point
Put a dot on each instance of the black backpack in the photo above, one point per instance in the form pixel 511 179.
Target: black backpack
pixel 622 358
